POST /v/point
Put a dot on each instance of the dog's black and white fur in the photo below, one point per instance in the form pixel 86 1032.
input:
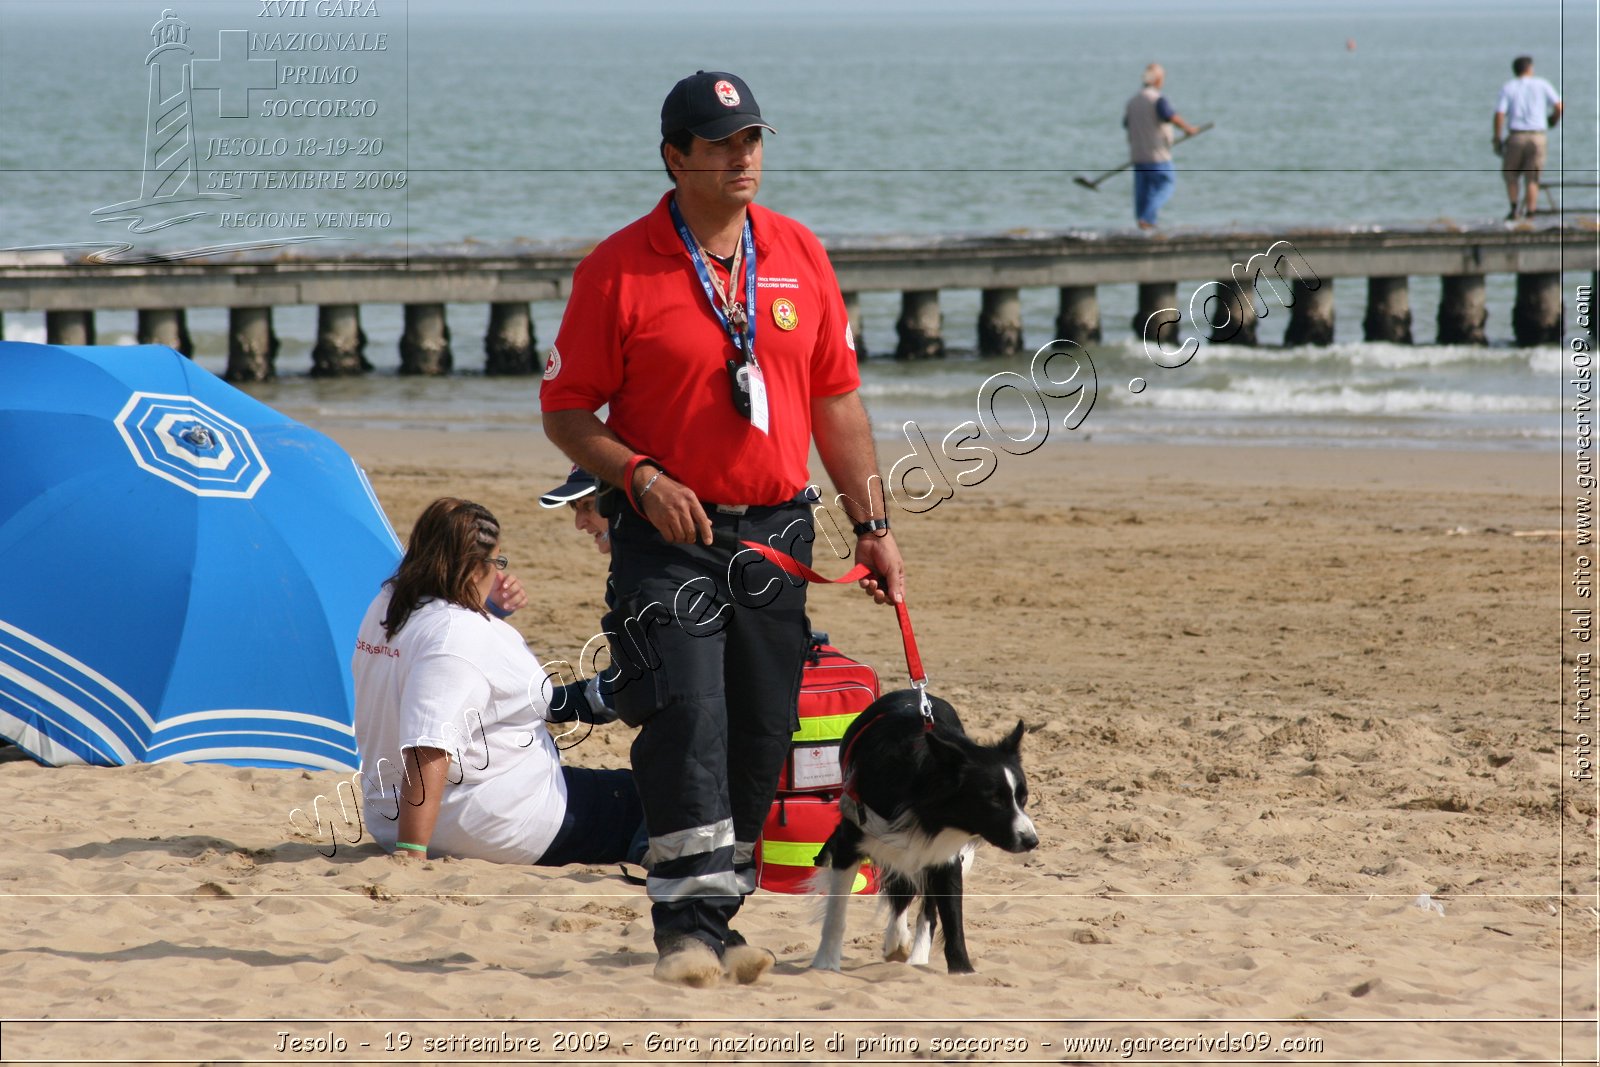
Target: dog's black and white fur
pixel 917 802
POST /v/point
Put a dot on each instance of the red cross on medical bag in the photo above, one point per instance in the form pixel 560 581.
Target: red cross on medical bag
pixel 834 689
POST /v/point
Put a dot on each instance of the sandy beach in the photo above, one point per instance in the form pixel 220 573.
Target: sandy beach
pixel 1293 744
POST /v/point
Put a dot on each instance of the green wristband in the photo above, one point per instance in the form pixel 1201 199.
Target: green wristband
pixel 410 847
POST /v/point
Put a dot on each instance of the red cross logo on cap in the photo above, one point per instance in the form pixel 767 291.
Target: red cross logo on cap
pixel 727 93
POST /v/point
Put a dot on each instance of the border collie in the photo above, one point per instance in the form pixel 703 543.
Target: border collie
pixel 917 802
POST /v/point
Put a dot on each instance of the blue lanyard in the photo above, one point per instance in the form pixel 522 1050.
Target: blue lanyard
pixel 745 342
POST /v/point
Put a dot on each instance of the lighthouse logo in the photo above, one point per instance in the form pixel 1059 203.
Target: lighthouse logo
pixel 170 191
pixel 170 188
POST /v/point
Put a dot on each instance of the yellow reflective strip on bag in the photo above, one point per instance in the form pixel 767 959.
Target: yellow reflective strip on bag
pixel 824 727
pixel 803 854
pixel 790 853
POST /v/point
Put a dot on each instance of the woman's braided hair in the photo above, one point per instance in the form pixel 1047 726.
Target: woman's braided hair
pixel 450 543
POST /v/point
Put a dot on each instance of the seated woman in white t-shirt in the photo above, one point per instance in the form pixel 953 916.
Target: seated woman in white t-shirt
pixel 450 711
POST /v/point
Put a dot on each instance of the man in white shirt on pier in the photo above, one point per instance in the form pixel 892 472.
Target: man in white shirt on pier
pixel 1528 107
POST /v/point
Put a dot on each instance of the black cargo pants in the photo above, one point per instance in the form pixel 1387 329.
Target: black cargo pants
pixel 707 644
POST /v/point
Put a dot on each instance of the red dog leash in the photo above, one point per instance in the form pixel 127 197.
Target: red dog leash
pixel 793 567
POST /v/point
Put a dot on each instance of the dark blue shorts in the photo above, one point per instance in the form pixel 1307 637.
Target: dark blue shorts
pixel 604 822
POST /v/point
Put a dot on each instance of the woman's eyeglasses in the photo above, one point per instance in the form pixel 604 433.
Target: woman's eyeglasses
pixel 499 563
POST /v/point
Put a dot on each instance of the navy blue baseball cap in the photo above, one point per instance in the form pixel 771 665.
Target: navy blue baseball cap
pixel 712 104
pixel 579 484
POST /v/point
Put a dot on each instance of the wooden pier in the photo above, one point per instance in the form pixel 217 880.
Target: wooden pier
pixel 1215 280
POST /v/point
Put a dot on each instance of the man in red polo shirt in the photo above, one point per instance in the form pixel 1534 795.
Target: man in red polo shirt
pixel 715 331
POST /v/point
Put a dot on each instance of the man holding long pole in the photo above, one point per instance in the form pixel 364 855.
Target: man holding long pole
pixel 1149 119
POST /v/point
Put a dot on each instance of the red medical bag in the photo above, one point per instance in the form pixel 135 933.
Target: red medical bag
pixel 797 827
pixel 834 689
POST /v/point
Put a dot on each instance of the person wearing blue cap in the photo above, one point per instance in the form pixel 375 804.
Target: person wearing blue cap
pixel 587 699
pixel 578 492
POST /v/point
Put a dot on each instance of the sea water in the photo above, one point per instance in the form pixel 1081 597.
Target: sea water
pixel 537 122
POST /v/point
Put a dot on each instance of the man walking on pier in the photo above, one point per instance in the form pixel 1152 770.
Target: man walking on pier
pixel 1528 107
pixel 1149 119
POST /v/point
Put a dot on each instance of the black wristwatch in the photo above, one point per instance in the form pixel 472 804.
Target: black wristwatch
pixel 861 529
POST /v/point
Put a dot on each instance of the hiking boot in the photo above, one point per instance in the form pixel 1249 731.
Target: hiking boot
pixel 688 961
pixel 744 962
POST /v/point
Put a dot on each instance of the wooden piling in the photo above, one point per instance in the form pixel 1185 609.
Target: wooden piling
pixel 1000 323
pixel 341 343
pixel 69 327
pixel 165 326
pixel 852 311
pixel 1388 310
pixel 1311 315
pixel 425 344
pixel 509 345
pixel 252 345
pixel 1536 316
pixel 919 325
pixel 1232 311
pixel 1078 319
pixel 1463 310
pixel 1153 298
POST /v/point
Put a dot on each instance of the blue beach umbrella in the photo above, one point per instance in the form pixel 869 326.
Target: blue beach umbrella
pixel 182 568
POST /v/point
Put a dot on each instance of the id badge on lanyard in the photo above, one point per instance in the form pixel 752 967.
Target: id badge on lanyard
pixel 750 392
pixel 745 377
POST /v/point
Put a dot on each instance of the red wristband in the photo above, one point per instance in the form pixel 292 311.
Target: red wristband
pixel 627 477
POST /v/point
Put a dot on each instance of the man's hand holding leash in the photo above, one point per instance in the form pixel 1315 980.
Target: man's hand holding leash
pixel 877 551
pixel 844 442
